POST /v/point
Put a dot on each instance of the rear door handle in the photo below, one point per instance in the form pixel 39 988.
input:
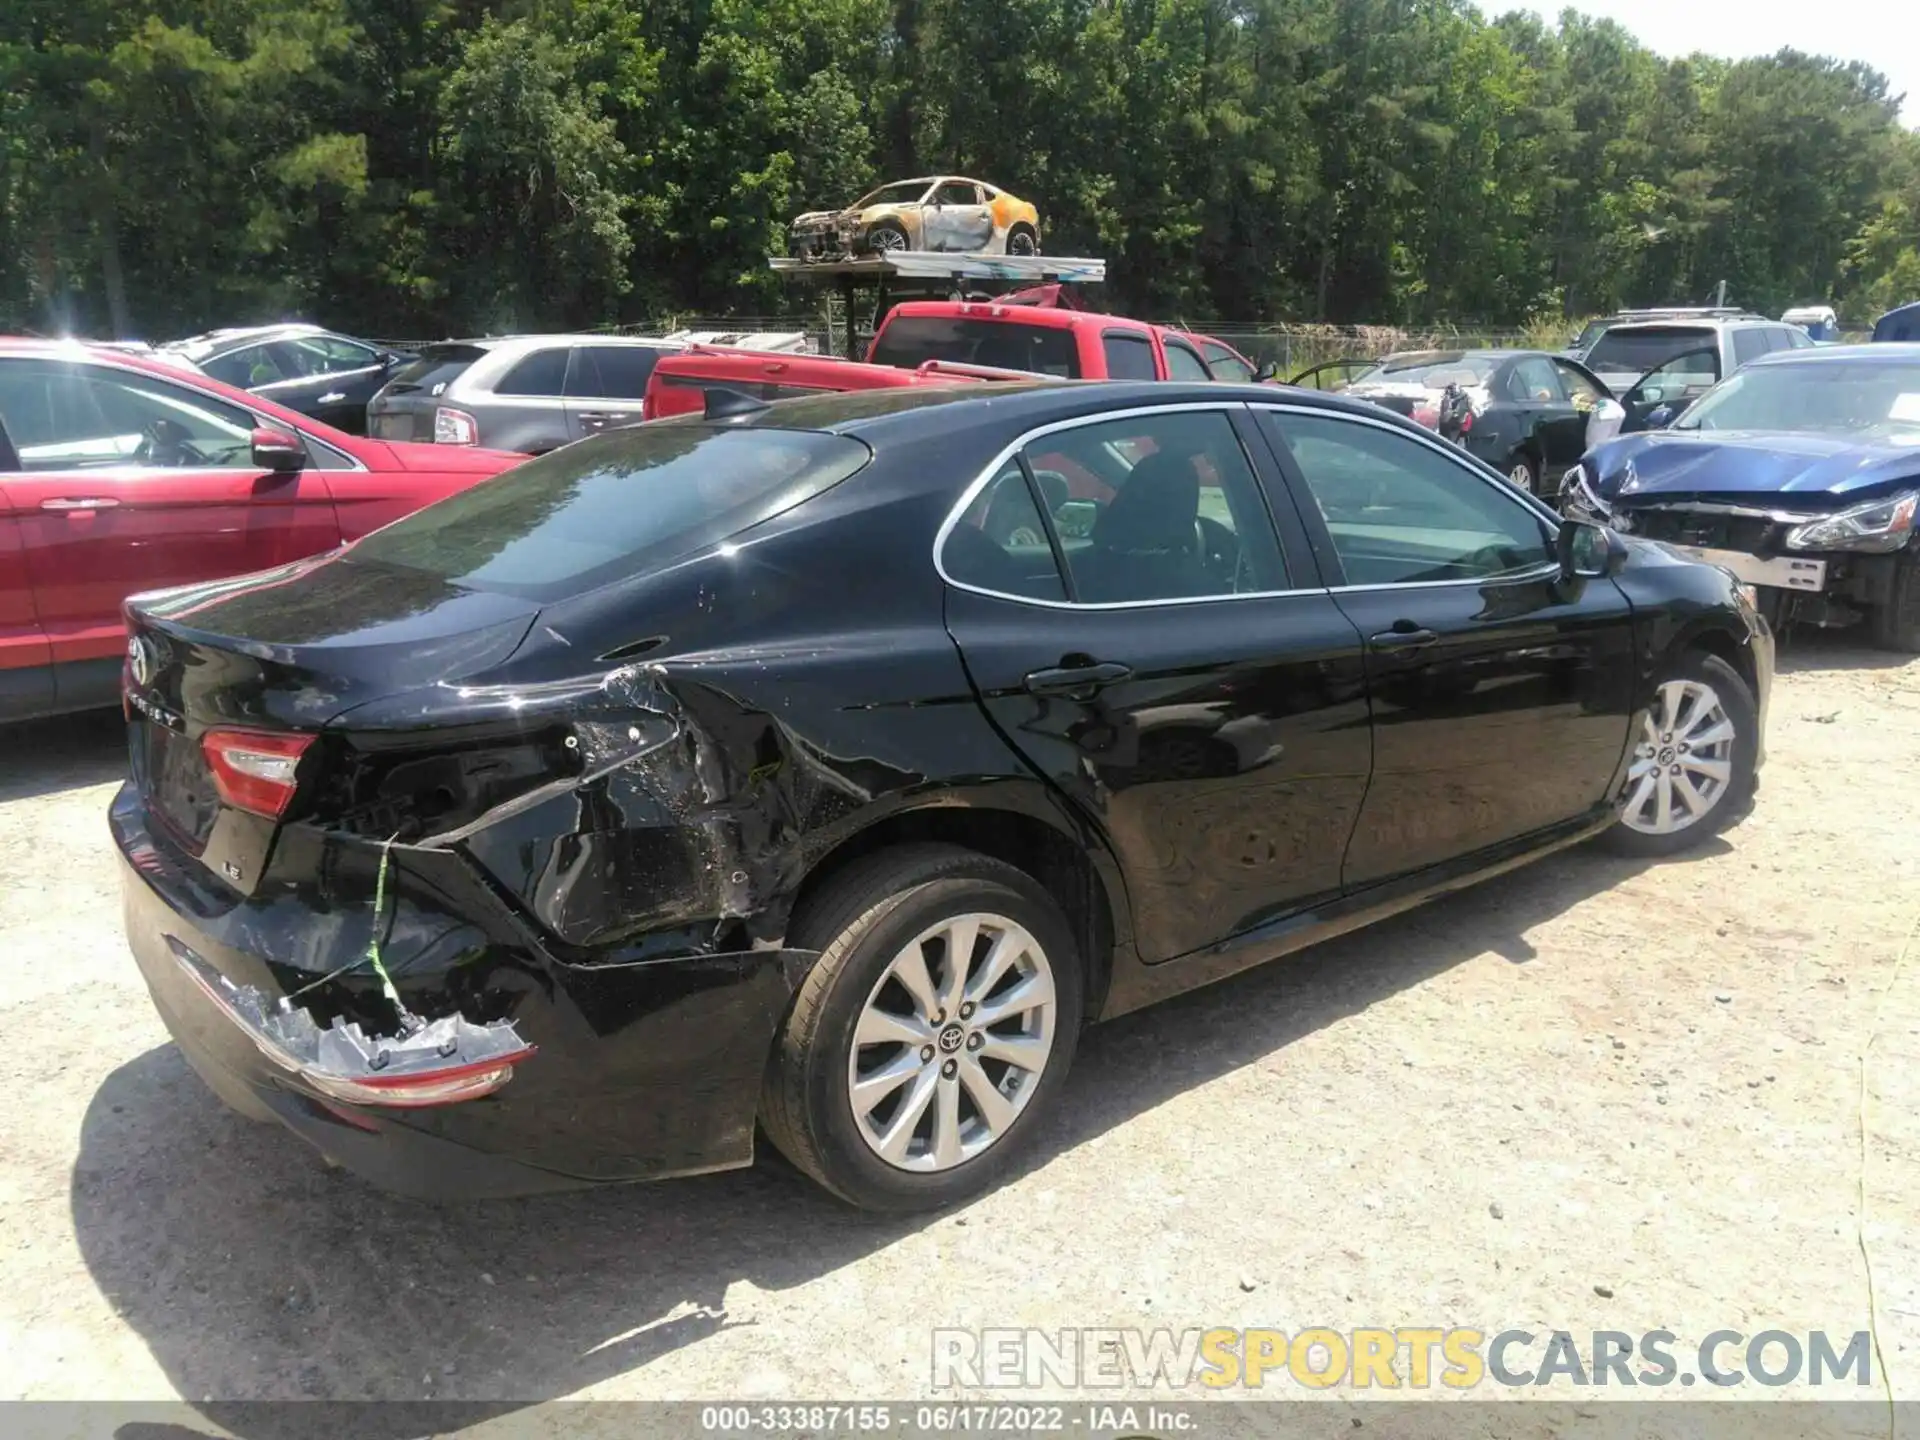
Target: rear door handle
pixel 1410 639
pixel 87 502
pixel 602 417
pixel 1076 681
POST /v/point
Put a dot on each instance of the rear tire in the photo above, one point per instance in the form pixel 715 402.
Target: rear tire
pixel 958 1111
pixel 1023 240
pixel 1695 699
pixel 1896 625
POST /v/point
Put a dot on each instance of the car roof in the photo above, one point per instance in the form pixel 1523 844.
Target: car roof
pixel 219 342
pixel 1449 357
pixel 929 410
pixel 1696 322
pixel 1043 315
pixel 511 342
pixel 1889 353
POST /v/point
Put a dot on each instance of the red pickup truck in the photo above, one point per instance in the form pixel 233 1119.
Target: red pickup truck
pixel 1033 335
pixel 120 474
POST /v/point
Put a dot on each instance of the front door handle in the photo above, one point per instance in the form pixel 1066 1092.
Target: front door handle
pixel 88 502
pixel 1412 638
pixel 333 397
pixel 1079 682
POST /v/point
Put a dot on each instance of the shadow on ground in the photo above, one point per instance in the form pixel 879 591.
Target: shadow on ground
pixel 254 1274
pixel 1806 647
pixel 43 757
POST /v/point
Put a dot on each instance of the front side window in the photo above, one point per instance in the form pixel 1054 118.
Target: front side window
pixel 585 515
pixel 1226 365
pixel 956 192
pixel 1579 389
pixel 544 372
pixel 1533 381
pixel 80 417
pixel 246 368
pixel 1156 507
pixel 1400 511
pixel 1183 364
pixel 313 355
pixel 1128 357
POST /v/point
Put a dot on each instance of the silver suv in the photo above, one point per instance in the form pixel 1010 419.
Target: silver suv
pixel 531 393
pixel 1654 364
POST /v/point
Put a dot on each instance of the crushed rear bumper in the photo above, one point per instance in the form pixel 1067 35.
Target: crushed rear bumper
pixel 640 1071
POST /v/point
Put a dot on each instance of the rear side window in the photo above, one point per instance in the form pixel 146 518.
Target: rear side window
pixel 1128 357
pixel 542 373
pixel 585 515
pixel 1748 345
pixel 1000 542
pixel 615 372
pixel 1644 349
pixel 912 340
pixel 438 367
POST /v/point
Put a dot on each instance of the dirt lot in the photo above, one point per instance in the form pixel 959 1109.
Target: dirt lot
pixel 1587 1077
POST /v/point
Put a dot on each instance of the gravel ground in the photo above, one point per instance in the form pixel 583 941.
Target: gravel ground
pixel 1590 1095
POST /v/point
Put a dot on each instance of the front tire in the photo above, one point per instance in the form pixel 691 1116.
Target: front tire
pixel 1896 625
pixel 1023 240
pixel 904 1081
pixel 886 238
pixel 1693 761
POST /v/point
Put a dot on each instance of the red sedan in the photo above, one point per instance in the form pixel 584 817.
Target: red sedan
pixel 120 474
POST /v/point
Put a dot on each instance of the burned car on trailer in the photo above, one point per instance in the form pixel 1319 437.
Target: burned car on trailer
pixel 588 824
pixel 1800 474
pixel 937 212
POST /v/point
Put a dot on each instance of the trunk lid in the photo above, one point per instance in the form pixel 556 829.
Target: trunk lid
pixel 285 650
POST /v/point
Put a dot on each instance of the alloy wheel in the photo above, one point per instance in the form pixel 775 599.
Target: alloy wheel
pixel 1684 761
pixel 951 1042
pixel 887 239
pixel 1522 476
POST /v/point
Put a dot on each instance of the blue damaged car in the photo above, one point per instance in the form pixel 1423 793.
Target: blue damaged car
pixel 1800 474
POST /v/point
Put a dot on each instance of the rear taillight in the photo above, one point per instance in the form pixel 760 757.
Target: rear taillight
pixel 254 770
pixel 448 1085
pixel 454 427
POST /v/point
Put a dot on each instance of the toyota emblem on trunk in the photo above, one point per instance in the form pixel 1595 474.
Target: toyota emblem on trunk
pixel 142 660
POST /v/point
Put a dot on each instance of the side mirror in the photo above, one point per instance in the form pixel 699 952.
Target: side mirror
pixel 277 452
pixel 1266 374
pixel 1588 552
pixel 1660 417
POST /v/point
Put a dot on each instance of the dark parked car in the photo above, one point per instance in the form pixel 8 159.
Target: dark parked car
pixel 316 372
pixel 1801 474
pixel 577 827
pixel 1528 414
pixel 1898 326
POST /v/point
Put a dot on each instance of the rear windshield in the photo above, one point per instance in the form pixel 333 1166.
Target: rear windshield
pixel 1647 347
pixel 590 513
pixel 438 367
pixel 911 340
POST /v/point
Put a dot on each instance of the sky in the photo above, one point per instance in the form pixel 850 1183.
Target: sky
pixel 1884 33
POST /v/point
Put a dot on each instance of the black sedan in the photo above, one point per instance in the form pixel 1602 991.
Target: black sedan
pixel 330 377
pixel 1528 414
pixel 750 773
